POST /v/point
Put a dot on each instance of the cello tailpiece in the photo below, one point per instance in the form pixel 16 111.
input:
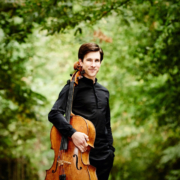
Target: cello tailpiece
pixel 62 177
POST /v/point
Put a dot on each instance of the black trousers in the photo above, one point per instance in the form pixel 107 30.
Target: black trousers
pixel 103 167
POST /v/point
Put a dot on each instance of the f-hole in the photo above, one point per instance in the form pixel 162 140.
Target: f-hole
pixel 75 155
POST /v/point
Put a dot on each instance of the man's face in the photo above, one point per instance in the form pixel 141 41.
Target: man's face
pixel 91 64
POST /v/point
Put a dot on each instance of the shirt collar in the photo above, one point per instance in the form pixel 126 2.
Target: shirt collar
pixel 89 81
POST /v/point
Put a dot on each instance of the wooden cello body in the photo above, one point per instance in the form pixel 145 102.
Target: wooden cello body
pixel 72 164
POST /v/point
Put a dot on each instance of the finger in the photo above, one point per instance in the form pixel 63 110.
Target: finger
pixel 86 137
pixel 84 149
pixel 86 144
pixel 81 149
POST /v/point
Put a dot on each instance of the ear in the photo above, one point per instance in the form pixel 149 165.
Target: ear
pixel 80 62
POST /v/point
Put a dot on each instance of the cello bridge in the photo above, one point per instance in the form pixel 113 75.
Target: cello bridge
pixel 62 162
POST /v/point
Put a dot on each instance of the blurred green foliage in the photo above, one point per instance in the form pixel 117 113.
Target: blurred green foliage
pixel 39 41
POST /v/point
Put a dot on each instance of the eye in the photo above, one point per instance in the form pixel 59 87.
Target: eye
pixel 97 60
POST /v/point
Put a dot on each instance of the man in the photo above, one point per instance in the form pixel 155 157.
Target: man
pixel 91 101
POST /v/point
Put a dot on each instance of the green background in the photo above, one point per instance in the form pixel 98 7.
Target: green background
pixel 39 41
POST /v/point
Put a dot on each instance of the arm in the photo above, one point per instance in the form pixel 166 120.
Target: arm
pixel 108 127
pixel 56 116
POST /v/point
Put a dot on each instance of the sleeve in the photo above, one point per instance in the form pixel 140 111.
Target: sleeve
pixel 56 115
pixel 108 128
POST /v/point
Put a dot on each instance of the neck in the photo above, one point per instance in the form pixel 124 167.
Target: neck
pixel 92 78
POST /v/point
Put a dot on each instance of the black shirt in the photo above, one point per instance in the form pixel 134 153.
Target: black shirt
pixel 91 101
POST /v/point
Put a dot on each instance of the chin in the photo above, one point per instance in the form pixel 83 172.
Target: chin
pixel 92 75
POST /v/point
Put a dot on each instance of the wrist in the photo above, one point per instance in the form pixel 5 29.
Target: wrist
pixel 71 132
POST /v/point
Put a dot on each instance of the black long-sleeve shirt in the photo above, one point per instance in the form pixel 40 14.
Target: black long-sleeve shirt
pixel 91 101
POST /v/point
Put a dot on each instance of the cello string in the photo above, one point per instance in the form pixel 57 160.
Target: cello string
pixel 63 171
pixel 59 155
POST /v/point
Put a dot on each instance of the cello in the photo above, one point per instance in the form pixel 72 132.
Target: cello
pixel 69 162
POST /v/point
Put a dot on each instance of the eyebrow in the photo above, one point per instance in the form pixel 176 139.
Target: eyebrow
pixel 92 59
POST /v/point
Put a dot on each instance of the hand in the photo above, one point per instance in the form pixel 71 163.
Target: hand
pixel 79 139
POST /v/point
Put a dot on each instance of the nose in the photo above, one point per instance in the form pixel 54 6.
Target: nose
pixel 93 64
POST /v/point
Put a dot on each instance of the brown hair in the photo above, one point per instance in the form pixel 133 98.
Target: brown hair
pixel 89 47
